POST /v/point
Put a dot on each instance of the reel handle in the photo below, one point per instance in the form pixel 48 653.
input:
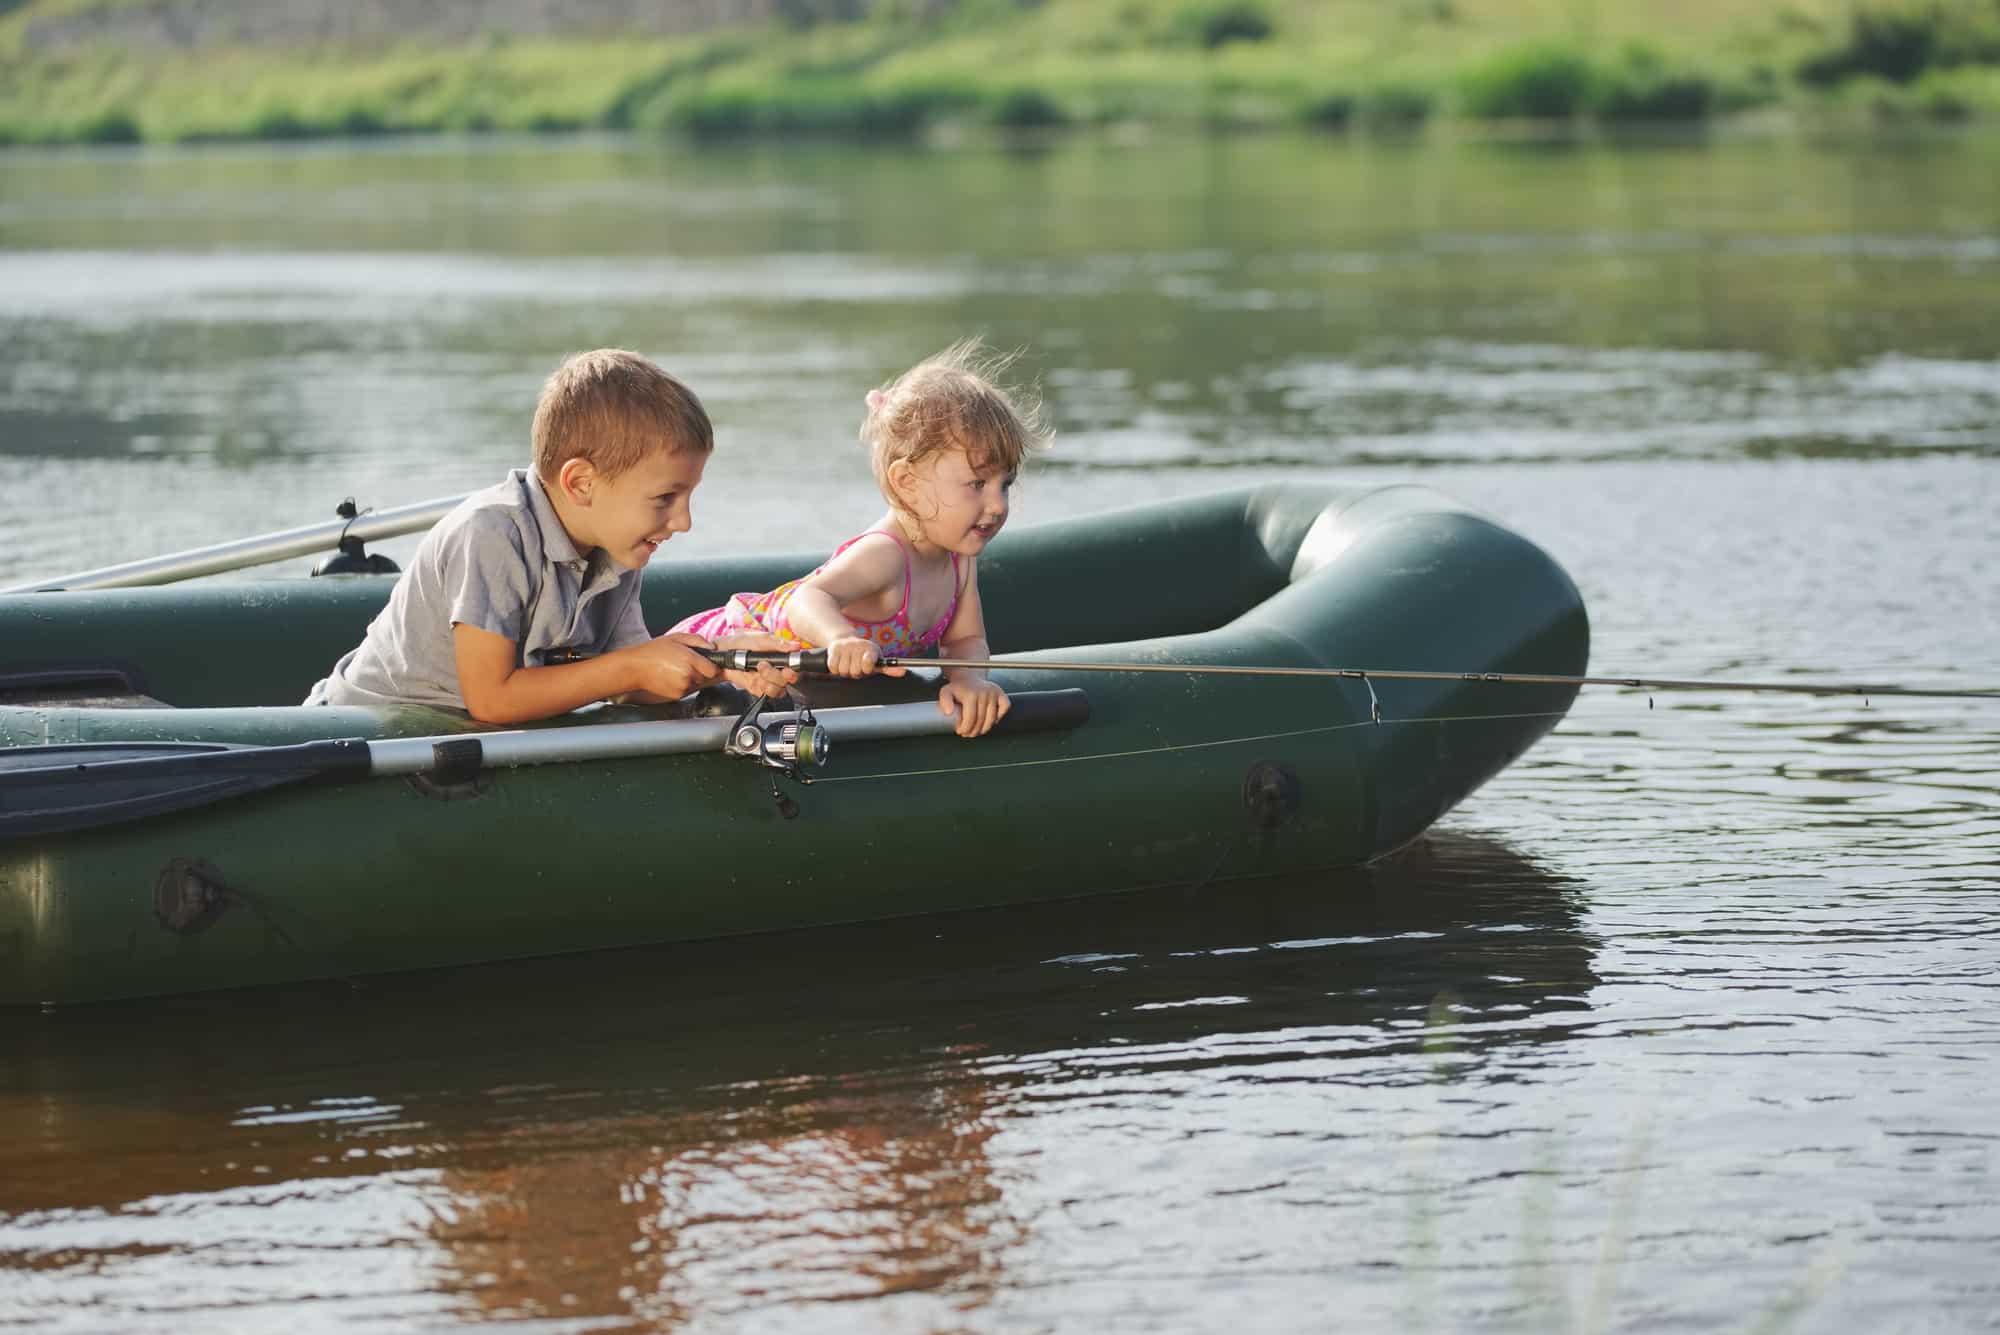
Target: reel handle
pixel 743 660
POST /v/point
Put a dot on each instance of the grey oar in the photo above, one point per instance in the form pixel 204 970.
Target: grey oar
pixel 50 789
pixel 815 660
pixel 254 551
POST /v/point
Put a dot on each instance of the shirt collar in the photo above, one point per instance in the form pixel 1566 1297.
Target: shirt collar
pixel 556 544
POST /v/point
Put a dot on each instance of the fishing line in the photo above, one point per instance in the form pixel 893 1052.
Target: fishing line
pixel 1366 675
pixel 1182 746
pixel 814 660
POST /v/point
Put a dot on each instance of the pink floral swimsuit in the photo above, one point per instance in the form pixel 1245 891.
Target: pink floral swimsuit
pixel 766 611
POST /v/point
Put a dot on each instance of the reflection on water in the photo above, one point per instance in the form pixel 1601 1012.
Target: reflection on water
pixel 687 1133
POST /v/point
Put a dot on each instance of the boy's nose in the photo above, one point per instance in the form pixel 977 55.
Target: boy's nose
pixel 682 519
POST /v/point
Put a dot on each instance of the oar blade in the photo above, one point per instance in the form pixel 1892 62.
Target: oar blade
pixel 60 788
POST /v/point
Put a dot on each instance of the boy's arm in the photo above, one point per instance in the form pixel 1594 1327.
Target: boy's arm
pixel 765 680
pixel 498 690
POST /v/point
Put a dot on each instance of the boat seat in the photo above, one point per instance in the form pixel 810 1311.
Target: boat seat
pixel 77 688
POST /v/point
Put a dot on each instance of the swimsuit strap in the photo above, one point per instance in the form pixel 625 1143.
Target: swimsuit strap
pixel 902 616
pixel 936 632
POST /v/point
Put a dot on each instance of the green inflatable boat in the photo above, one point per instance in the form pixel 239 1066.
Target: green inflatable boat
pixel 170 821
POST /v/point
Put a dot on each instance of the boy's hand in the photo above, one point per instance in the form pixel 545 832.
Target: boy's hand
pixel 978 703
pixel 670 667
pixel 852 656
pixel 768 679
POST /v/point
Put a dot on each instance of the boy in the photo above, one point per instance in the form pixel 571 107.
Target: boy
pixel 523 603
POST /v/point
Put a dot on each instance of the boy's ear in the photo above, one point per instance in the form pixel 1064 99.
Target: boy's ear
pixel 577 478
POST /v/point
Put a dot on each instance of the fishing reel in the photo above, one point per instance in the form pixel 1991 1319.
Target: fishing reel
pixel 792 746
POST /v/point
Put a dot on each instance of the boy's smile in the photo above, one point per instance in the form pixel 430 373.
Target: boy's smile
pixel 631 514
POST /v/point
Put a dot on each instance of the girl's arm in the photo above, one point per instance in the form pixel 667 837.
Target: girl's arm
pixel 858 577
pixel 978 702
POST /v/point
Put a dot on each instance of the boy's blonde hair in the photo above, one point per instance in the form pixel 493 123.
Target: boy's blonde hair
pixel 614 408
pixel 951 401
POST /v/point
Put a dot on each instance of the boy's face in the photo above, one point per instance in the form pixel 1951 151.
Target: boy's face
pixel 630 515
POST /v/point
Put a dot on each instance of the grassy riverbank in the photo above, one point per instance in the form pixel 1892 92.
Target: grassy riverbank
pixel 118 71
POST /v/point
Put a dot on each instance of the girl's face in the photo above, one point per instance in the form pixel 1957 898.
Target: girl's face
pixel 958 507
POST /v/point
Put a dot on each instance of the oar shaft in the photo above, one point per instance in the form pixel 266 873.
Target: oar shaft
pixel 63 787
pixel 244 552
pixel 1035 711
pixel 662 737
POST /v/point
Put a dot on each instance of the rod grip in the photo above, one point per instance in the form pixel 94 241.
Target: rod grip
pixel 744 660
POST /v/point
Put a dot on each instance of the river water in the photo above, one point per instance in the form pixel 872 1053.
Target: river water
pixel 1688 1021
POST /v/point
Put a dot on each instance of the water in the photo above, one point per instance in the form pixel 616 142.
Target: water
pixel 1686 1022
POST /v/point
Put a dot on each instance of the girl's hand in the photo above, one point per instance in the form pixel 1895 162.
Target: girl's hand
pixel 852 656
pixel 978 703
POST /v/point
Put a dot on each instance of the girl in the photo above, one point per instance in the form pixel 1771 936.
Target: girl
pixel 946 444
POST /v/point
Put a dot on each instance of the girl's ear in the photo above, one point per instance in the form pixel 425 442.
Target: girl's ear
pixel 903 480
pixel 577 478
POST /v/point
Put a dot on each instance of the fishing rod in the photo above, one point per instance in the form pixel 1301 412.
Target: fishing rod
pixel 814 660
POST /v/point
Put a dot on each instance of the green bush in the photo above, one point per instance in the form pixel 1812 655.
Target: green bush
pixel 1330 111
pixel 1944 103
pixel 1896 44
pixel 1898 40
pixel 1220 22
pixel 836 108
pixel 279 123
pixel 1026 109
pixel 1641 87
pixel 360 122
pixel 109 127
pixel 720 115
pixel 1963 94
pixel 1394 107
pixel 1542 82
pixel 646 103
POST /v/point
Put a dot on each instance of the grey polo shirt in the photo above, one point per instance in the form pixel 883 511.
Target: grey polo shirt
pixel 502 562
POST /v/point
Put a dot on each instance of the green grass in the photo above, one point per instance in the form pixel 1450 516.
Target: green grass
pixel 1357 66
